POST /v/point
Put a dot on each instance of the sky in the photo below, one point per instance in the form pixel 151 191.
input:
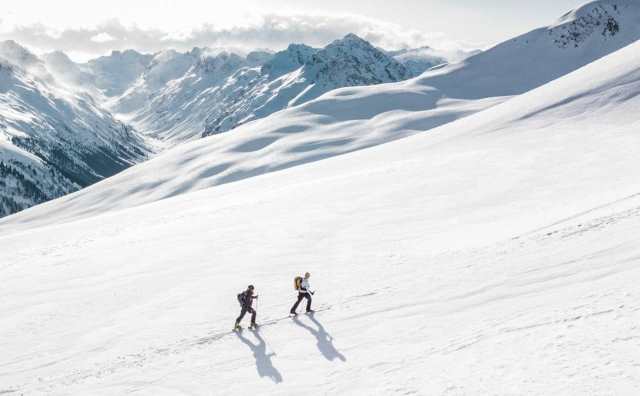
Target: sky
pixel 90 28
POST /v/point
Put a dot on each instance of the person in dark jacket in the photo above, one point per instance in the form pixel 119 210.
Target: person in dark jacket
pixel 246 301
pixel 304 291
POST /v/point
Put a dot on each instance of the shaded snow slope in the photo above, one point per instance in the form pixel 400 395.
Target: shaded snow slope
pixel 496 255
pixel 54 139
pixel 308 133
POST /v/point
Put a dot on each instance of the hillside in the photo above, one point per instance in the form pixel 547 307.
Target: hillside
pixel 494 255
pixel 350 119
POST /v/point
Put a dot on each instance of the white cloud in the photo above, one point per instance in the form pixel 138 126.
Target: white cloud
pixel 102 37
pixel 272 31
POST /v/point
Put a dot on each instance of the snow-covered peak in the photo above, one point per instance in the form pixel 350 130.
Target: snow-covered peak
pixel 353 61
pixel 599 20
pixel 349 44
pixel 168 65
pixel 17 54
pixel 54 138
pixel 596 8
pixel 259 58
pixel 58 57
pixel 116 72
pixel 294 57
pixel 165 66
pixel 68 72
pixel 544 54
pixel 220 65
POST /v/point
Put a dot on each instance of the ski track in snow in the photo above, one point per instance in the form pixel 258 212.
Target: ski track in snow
pixel 591 334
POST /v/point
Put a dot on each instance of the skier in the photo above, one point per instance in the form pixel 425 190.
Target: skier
pixel 304 291
pixel 246 301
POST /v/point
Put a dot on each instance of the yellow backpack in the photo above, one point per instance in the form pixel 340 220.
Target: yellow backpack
pixel 297 282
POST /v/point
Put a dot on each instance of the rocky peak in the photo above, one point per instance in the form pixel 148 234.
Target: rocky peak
pixel 354 61
pixel 604 18
pixel 223 63
pixel 258 58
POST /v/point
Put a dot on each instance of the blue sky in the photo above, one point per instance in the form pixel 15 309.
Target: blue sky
pixel 95 27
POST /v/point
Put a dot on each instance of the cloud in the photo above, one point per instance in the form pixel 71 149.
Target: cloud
pixel 271 31
pixel 102 38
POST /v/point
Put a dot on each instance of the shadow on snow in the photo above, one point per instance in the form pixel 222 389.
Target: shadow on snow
pixel 324 340
pixel 263 359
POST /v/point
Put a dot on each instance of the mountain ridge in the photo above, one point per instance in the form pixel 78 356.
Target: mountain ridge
pixel 354 118
pixel 53 140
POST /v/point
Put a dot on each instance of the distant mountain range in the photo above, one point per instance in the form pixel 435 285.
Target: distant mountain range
pixel 53 139
pixel 352 118
pixel 65 125
pixel 182 96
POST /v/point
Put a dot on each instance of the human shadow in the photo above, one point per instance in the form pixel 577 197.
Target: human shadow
pixel 263 359
pixel 324 340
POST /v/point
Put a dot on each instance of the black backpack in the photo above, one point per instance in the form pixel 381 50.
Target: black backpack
pixel 242 299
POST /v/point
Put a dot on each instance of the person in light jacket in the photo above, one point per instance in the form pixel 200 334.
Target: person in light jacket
pixel 304 291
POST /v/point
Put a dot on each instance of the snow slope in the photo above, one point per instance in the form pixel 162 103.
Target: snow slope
pixel 54 138
pixel 350 119
pixel 495 255
pixel 542 55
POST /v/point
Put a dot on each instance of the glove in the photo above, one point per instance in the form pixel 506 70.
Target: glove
pixel 313 293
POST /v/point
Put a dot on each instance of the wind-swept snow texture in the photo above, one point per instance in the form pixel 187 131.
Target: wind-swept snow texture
pixel 350 119
pixel 495 255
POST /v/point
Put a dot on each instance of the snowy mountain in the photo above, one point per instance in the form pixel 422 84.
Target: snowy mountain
pixel 542 55
pixel 213 93
pixel 171 100
pixel 178 91
pixel 348 62
pixel 53 139
pixel 350 119
pixel 115 73
pixel 497 254
pixel 164 67
pixel 71 74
